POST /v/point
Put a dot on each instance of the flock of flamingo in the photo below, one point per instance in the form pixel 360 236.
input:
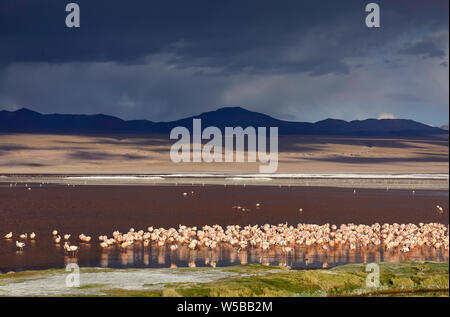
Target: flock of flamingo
pixel 402 237
pixel 282 237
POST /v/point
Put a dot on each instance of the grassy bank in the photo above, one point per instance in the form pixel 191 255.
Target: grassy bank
pixel 396 279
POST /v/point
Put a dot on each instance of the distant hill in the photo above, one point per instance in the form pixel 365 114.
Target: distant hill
pixel 28 121
pixel 445 127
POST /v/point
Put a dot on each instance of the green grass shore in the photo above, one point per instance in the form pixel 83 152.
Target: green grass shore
pixel 396 279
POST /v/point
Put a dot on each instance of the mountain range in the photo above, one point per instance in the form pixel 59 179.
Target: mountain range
pixel 28 121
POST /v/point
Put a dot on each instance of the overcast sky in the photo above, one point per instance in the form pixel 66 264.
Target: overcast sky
pixel 162 60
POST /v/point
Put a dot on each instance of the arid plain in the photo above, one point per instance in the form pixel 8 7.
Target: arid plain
pixel 141 154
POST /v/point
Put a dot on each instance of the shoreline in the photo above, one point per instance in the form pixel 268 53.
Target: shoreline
pixel 425 181
pixel 397 279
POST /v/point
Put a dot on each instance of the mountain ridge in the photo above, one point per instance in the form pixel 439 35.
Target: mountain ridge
pixel 29 121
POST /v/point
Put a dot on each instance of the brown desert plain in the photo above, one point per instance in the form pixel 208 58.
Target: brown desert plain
pixel 141 154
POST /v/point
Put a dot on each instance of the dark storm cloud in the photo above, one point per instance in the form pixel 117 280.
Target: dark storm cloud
pixel 127 32
pixel 427 48
pixel 237 35
pixel 164 59
pixel 234 34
